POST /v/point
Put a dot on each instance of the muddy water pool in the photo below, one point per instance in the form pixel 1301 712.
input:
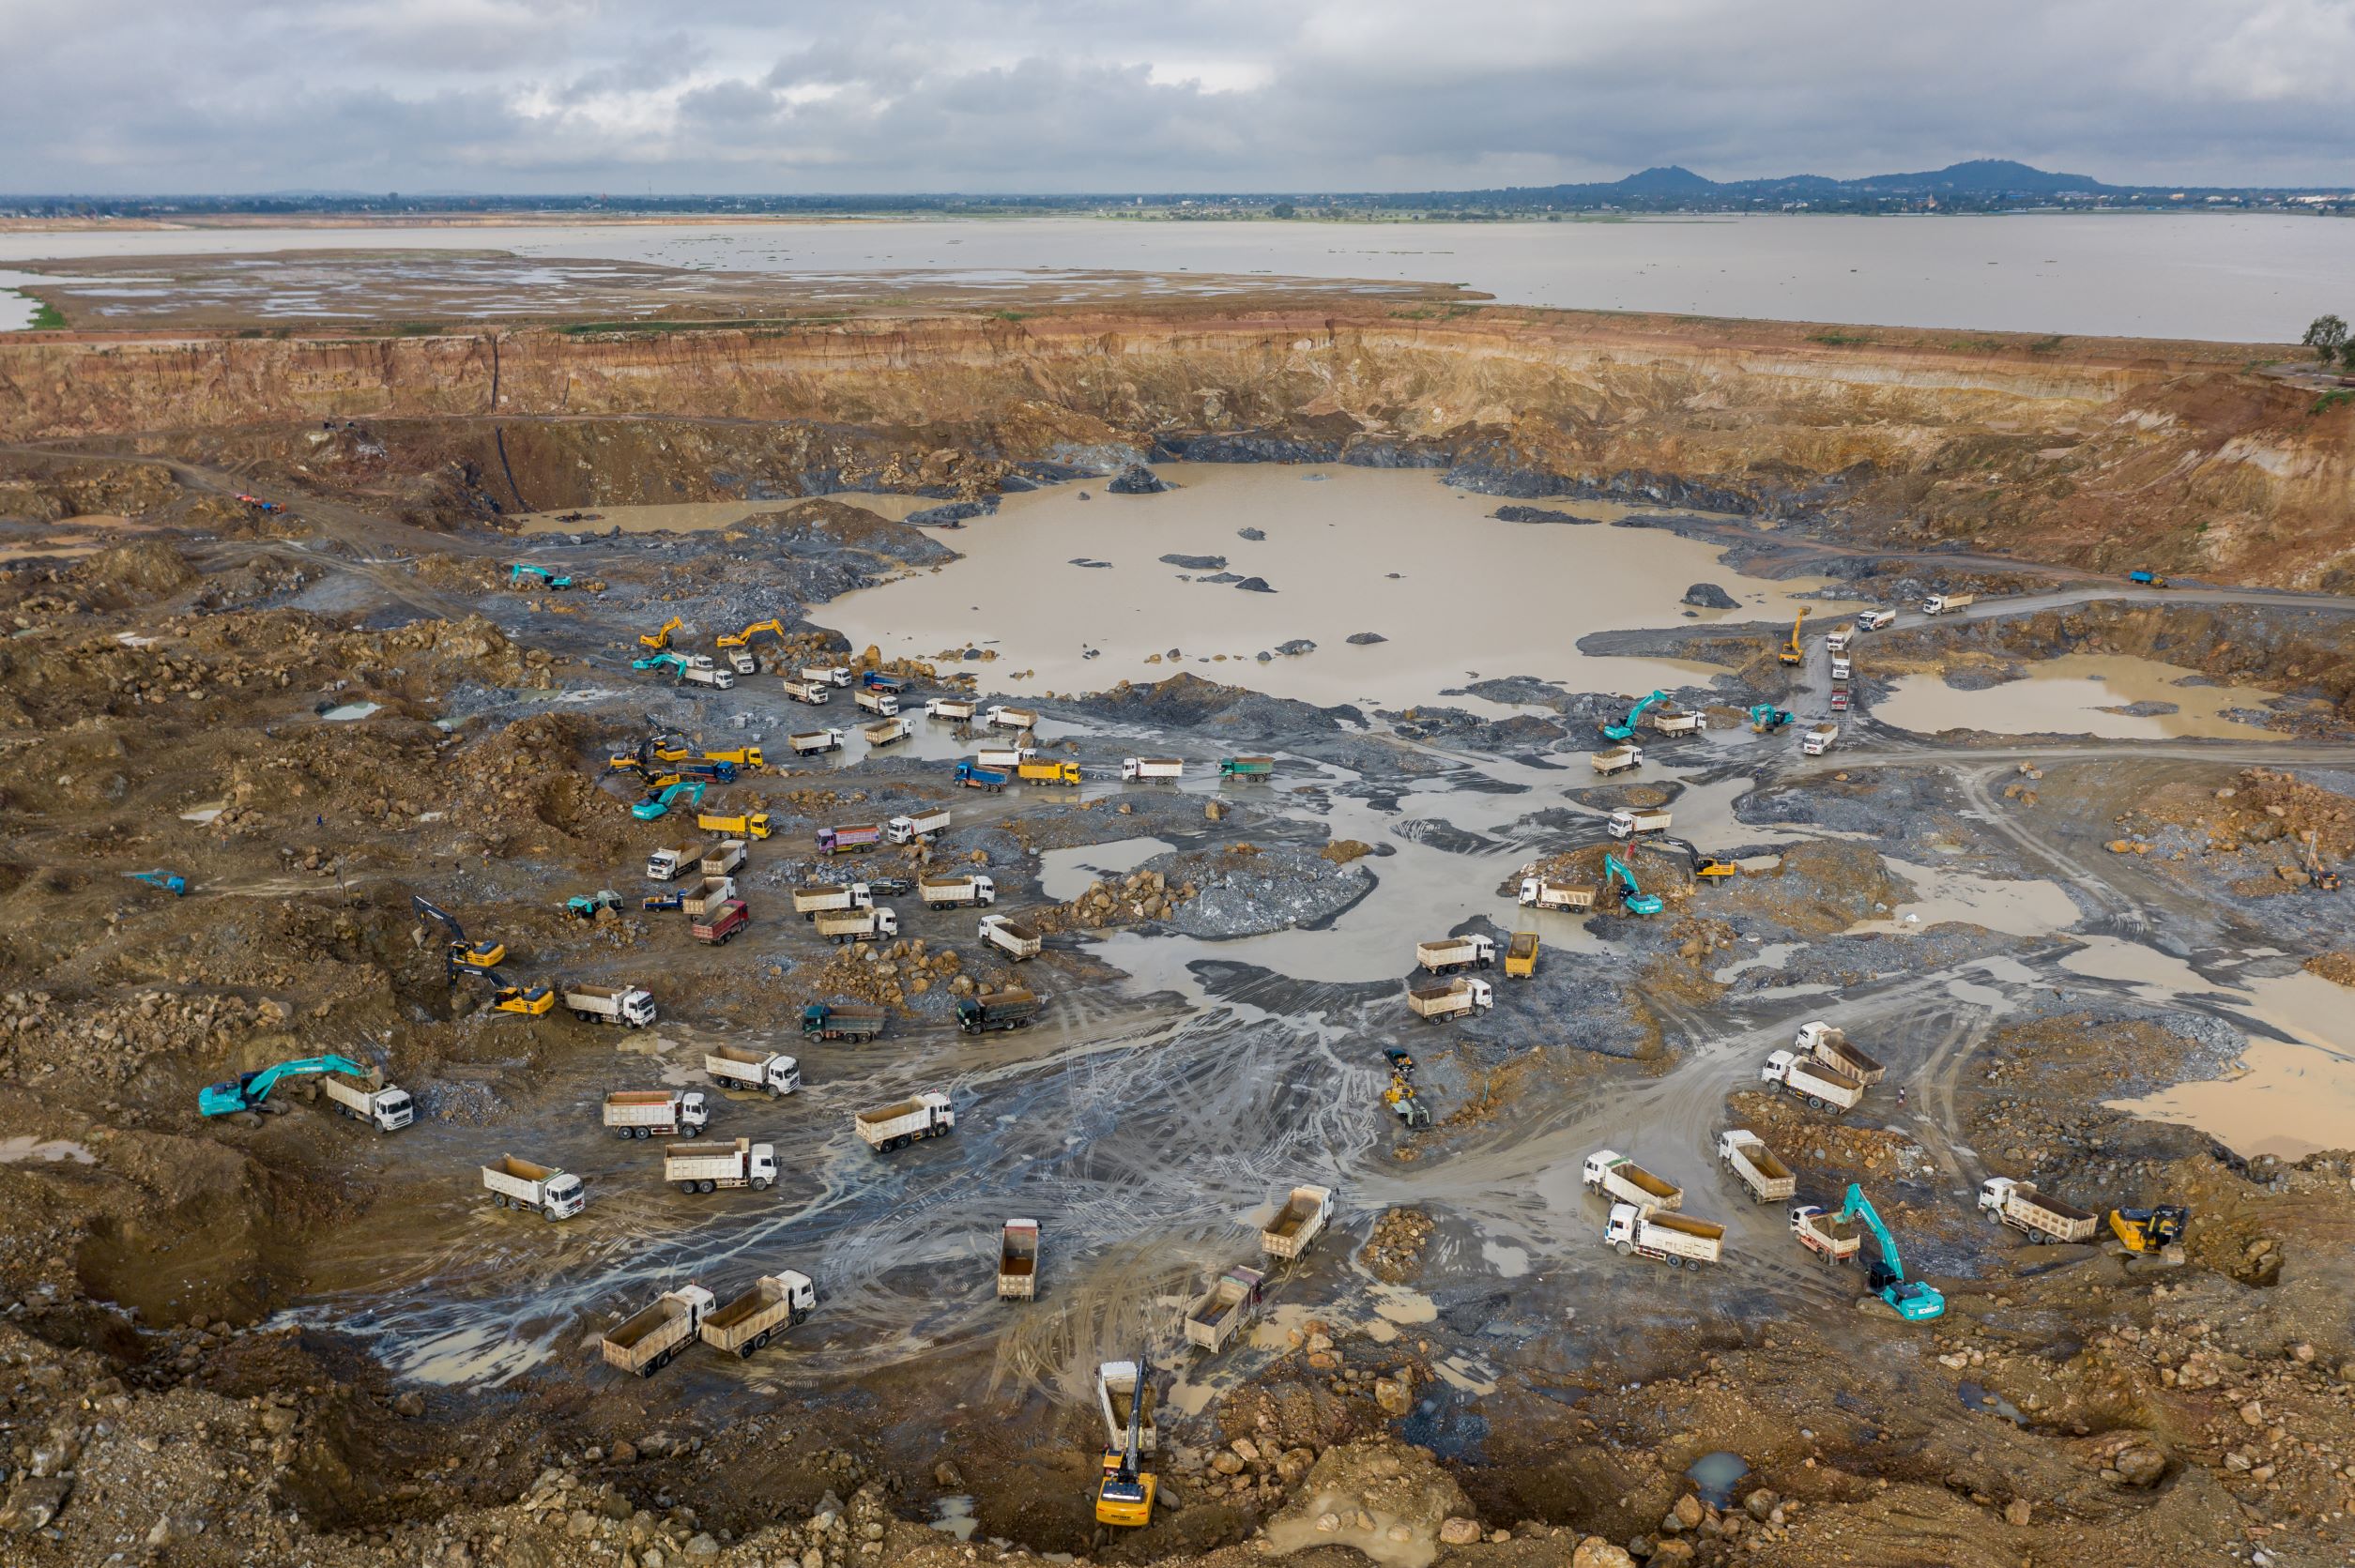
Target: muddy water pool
pixel 2069 695
pixel 1458 595
pixel 696 516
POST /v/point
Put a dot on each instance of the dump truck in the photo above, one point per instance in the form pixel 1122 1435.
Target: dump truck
pixel 1450 954
pixel 1830 1047
pixel 651 1340
pixel 1543 894
pixel 974 776
pixel 882 704
pixel 1115 1386
pixel 742 1164
pixel 719 923
pixel 1018 1261
pixel 1678 1241
pixel 1831 1238
pixel 1618 759
pixel 1838 637
pixel 771 1073
pixel 850 840
pixel 1818 738
pixel 750 825
pixel 1005 759
pixel 1939 604
pixel 1633 821
pixel 1746 1154
pixel 896 1126
pixel 888 731
pixel 663 865
pixel 1873 621
pixel 807 691
pixel 816 742
pixel 826 674
pixel 1153 768
pixel 1520 955
pixel 1825 1089
pixel 950 892
pixel 380 1105
pixel 1224 1309
pixel 859 925
pixel 1010 718
pixel 655 1113
pixel 810 903
pixel 1017 941
pixel 625 1005
pixel 917 825
pixel 1048 772
pixel 1620 1179
pixel 774 1304
pixel 724 859
pixel 992 1010
pixel 719 680
pixel 707 894
pixel 1458 998
pixel 514 1184
pixel 841 1021
pixel 1677 720
pixel 1297 1224
pixel 1841 669
pixel 2039 1216
pixel 959 710
pixel 875 681
pixel 1247 768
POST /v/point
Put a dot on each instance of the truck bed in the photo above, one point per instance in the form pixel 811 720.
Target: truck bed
pixel 890 1113
pixel 1685 1224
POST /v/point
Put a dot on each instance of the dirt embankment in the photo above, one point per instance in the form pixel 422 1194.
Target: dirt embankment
pixel 2051 448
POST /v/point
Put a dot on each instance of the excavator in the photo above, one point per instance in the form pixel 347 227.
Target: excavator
pixel 660 638
pixel 1791 653
pixel 672 660
pixel 475 958
pixel 249 1092
pixel 1632 899
pixel 2150 1229
pixel 1914 1301
pixel 1766 718
pixel 174 883
pixel 532 1001
pixel 1624 728
pixel 737 645
pixel 654 806
pixel 1125 1496
pixel 2317 877
pixel 1705 867
pixel 521 573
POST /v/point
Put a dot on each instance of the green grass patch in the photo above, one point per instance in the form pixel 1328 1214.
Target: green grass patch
pixel 2047 345
pixel 1839 339
pixel 2329 400
pixel 47 317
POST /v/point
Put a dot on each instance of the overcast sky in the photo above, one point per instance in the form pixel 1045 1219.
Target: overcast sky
pixel 234 95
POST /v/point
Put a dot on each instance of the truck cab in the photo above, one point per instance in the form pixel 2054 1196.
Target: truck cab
pixel 563 1198
pixel 1873 620
pixel 393 1110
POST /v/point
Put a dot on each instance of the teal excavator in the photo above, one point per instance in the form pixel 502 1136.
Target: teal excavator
pixel 1766 718
pixel 1915 1302
pixel 1632 899
pixel 249 1092
pixel 1624 728
pixel 672 660
pixel 657 805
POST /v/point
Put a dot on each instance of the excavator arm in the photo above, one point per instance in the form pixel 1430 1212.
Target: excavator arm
pixel 1914 1301
pixel 463 953
pixel 1791 653
pixel 743 639
pixel 1624 728
pixel 660 638
pixel 251 1090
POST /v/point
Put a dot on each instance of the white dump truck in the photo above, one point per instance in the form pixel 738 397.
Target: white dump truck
pixel 859 925
pixel 1825 1089
pixel 625 1005
pixel 724 859
pixel 2038 1216
pixel 1838 637
pixel 1018 1260
pixel 655 1113
pixel 1633 821
pixel 1676 721
pixel 692 1168
pixel 1746 1154
pixel 1004 757
pixel 1618 759
pixel 1010 718
pixel 917 825
pixel 1678 1241
pixel 1458 998
pixel 371 1100
pixel 1831 1238
pixel 1940 603
pixel 896 1126
pixel 770 1072
pixel 1840 667
pixel 1297 1224
pixel 774 1304
pixel 883 703
pixel 815 742
pixel 1543 894
pixel 708 895
pixel 514 1184
pixel 884 732
pixel 652 1339
pixel 1830 1047
pixel 1015 940
pixel 1153 768
pixel 1818 738
pixel 1450 954
pixel 952 893
pixel 807 691
pixel 719 680
pixel 1219 1313
pixel 1116 1384
pixel 826 674
pixel 1873 620
pixel 959 710
pixel 666 865
pixel 1621 1180
pixel 810 903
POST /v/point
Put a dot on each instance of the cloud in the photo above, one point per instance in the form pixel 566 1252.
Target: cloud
pixel 1122 94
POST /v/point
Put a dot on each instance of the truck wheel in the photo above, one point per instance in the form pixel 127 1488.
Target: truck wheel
pixel 1675 1262
pixel 500 1199
pixel 743 1351
pixel 1815 1103
pixel 548 1214
pixel 648 1370
pixel 622 1132
pixel 705 1186
pixel 687 1187
pixel 759 1183
pixel 695 1132
pixel 1624 1248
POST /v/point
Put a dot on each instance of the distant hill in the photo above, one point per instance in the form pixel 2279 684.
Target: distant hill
pixel 1980 177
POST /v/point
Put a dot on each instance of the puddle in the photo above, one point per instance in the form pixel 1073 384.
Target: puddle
pixel 346 712
pixel 1975 1397
pixel 204 813
pixel 954 1515
pixel 2016 908
pixel 2065 696
pixel 1471 596
pixel 1773 955
pixel 1063 874
pixel 1509 1262
pixel 1714 1476
pixel 19 1151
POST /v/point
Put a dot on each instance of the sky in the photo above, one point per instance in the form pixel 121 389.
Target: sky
pixel 124 97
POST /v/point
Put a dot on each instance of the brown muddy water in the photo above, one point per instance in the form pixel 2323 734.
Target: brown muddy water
pixel 2071 695
pixel 1458 595
pixel 686 517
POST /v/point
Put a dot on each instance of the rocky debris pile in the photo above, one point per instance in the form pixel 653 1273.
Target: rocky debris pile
pixel 47 495
pixel 1246 890
pixel 1390 1500
pixel 41 1033
pixel 1136 480
pixel 1708 596
pixel 1231 713
pixel 1831 1152
pixel 1142 896
pixel 2263 809
pixel 1540 514
pixel 1395 1251
pixel 1253 533
pixel 893 974
pixel 521 790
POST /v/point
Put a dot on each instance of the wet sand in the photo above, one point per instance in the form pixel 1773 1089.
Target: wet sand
pixel 2067 695
pixel 687 517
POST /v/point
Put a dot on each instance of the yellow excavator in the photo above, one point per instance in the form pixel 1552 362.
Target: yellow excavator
pixel 1125 1496
pixel 1789 653
pixel 659 639
pixel 2318 877
pixel 743 639
pixel 2150 1229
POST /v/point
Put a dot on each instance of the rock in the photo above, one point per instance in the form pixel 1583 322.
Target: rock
pixel 1196 563
pixel 1673 1553
pixel 1708 596
pixel 1255 584
pixel 1539 514
pixel 1393 1396
pixel 1250 533
pixel 1759 1503
pixel 2139 1464
pixel 1365 639
pixel 1595 1552
pixel 2018 1513
pixel 1293 1464
pixel 1459 1531
pixel 1245 1450
pixel 1295 648
pixel 1227 1463
pixel 410 1403
pixel 1687 1514
pixel 946 1476
pixel 1136 480
pixel 702 1545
